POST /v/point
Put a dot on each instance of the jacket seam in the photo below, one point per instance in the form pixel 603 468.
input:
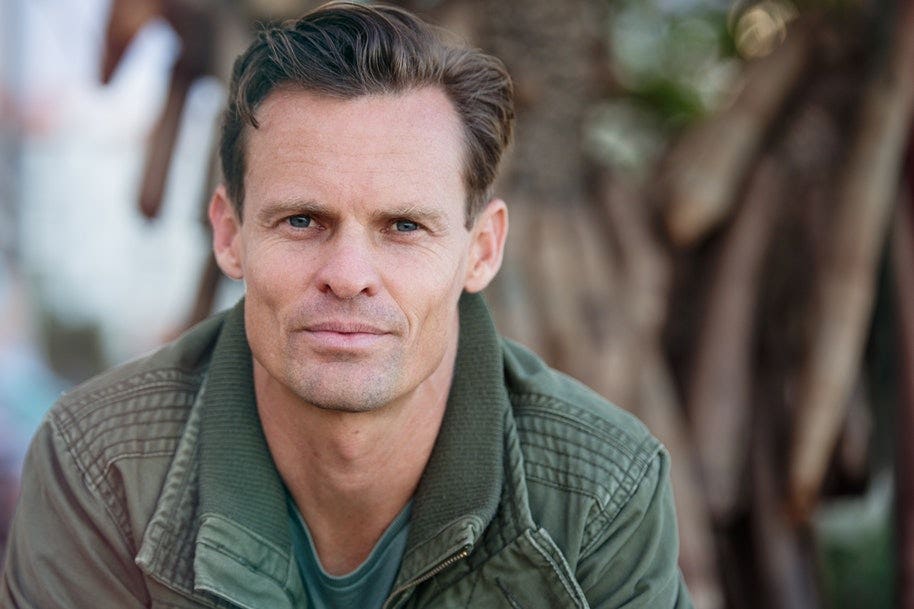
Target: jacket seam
pixel 104 462
pixel 624 441
pixel 95 491
pixel 600 516
pixel 588 547
pixel 122 391
pixel 605 491
pixel 562 487
pixel 66 421
pixel 170 531
pixel 640 452
pixel 626 444
pixel 96 427
pixel 140 381
pixel 131 455
pixel 476 577
pixel 572 593
pixel 509 596
pixel 221 549
pixel 619 474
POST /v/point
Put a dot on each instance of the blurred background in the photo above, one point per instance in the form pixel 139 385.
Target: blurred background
pixel 711 225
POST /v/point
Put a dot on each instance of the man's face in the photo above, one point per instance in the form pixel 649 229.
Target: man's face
pixel 353 245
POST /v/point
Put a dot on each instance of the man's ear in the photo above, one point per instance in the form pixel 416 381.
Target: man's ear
pixel 487 245
pixel 226 234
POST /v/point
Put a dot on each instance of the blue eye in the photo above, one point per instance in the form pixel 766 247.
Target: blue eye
pixel 406 226
pixel 300 221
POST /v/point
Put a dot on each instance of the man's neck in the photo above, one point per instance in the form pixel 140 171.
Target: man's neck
pixel 351 473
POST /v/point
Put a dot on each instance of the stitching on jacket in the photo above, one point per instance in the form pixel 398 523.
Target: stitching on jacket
pixel 130 387
pixel 619 474
pixel 509 596
pixel 562 487
pixel 602 516
pixel 88 440
pixel 554 409
pixel 122 527
pixel 476 578
pixel 625 479
pixel 67 420
pixel 573 592
pixel 545 407
pixel 189 478
pixel 92 456
pixel 588 546
pixel 227 552
pixel 105 459
pixel 623 475
pixel 640 453
pixel 135 416
pixel 602 488
pixel 121 456
pixel 528 426
pixel 128 408
pixel 74 408
pixel 165 536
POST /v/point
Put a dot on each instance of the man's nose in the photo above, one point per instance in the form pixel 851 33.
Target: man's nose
pixel 349 267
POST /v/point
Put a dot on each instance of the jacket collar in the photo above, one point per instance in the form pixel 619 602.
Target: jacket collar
pixel 223 504
pixel 460 490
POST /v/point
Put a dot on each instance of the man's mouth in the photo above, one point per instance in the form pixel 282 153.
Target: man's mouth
pixel 345 327
pixel 344 335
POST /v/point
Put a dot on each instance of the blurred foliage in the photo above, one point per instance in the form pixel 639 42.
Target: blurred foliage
pixel 855 547
pixel 674 63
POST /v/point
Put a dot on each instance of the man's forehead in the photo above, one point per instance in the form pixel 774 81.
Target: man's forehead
pixel 415 105
pixel 405 148
pixel 388 124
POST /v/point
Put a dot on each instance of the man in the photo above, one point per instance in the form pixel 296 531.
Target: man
pixel 354 433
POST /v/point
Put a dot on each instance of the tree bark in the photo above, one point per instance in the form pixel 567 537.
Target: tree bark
pixel 719 396
pixel 866 194
pixel 903 275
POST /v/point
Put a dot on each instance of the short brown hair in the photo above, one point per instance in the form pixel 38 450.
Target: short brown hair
pixel 348 50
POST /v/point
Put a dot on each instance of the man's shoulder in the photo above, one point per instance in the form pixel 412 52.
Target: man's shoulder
pixel 541 393
pixel 136 408
pixel 579 449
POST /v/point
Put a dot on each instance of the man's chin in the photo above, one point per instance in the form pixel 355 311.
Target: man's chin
pixel 342 406
pixel 346 391
pixel 346 403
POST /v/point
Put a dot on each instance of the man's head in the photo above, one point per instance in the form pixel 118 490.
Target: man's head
pixel 345 50
pixel 367 149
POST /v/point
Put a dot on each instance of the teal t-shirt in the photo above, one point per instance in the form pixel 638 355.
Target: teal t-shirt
pixel 368 586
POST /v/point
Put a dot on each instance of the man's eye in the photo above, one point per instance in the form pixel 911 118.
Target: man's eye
pixel 406 226
pixel 300 221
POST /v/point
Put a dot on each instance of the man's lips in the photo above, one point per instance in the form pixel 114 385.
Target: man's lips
pixel 343 335
pixel 345 327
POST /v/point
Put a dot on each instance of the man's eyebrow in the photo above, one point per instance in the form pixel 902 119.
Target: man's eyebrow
pixel 281 208
pixel 430 217
pixel 427 216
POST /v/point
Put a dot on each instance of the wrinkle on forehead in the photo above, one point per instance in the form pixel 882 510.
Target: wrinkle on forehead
pixel 408 146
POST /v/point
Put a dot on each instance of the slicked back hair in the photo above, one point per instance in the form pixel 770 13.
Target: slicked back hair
pixel 347 50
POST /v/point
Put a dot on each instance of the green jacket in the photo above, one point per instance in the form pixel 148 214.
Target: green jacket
pixel 152 486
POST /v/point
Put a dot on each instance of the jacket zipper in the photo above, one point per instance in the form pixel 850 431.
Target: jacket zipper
pixel 444 564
